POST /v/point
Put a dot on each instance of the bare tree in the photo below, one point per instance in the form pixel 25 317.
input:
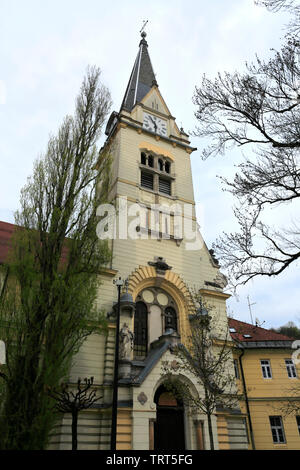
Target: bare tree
pixel 48 306
pixel 292 6
pixel 208 358
pixel 259 110
pixel 68 401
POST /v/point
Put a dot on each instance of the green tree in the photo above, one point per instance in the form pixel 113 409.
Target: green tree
pixel 48 307
pixel 207 356
pixel 290 329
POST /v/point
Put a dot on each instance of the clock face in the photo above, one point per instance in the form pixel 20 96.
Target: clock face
pixel 155 124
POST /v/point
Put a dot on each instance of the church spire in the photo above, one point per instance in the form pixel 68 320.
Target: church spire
pixel 142 77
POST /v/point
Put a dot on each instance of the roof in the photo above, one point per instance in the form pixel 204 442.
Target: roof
pixel 6 231
pixel 256 333
pixel 142 77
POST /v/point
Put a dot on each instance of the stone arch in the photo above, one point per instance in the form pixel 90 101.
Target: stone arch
pixel 184 378
pixel 146 276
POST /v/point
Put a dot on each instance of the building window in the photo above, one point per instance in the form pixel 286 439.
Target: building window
pixel 164 186
pixel 157 177
pixel 266 368
pixel 291 369
pixel 298 423
pixel 143 158
pixel 155 313
pixel 147 180
pixel 140 330
pixel 236 369
pixel 277 429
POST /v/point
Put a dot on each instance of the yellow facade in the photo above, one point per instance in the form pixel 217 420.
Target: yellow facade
pixel 268 397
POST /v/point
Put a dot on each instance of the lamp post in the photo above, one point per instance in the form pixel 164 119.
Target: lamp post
pixel 119 283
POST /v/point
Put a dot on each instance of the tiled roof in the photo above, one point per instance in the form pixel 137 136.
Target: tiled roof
pixel 6 231
pixel 253 332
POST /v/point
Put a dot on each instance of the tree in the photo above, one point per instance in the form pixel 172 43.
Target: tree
pixel 292 6
pixel 290 329
pixel 48 308
pixel 258 109
pixel 66 401
pixel 208 359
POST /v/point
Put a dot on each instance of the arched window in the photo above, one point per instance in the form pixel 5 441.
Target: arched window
pixel 150 161
pixel 170 319
pixel 143 158
pixel 140 330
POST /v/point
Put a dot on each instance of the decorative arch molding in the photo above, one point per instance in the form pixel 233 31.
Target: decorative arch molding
pixel 181 377
pixel 146 276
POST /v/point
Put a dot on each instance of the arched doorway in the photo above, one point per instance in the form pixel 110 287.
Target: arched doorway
pixel 169 426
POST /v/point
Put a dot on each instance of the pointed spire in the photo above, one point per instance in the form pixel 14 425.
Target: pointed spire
pixel 142 77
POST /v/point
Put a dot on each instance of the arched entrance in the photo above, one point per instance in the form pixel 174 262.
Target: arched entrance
pixel 169 426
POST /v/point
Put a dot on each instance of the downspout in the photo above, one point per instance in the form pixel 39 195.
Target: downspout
pixel 246 400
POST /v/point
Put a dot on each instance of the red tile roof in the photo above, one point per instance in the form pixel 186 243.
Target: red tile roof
pixel 256 332
pixel 6 231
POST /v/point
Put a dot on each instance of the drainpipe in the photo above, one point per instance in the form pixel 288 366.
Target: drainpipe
pixel 246 400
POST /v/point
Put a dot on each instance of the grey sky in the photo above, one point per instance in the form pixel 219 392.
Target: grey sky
pixel 45 47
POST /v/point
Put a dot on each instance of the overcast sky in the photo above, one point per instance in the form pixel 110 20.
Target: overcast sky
pixel 45 47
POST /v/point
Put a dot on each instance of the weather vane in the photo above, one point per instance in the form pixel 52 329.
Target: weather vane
pixel 144 25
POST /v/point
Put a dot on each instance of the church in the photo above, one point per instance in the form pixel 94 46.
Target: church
pixel 162 259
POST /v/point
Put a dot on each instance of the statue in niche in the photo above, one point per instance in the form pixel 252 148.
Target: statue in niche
pixel 126 342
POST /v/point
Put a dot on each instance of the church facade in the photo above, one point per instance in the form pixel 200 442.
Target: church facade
pixel 157 248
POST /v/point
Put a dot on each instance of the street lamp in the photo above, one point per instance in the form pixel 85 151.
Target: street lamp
pixel 119 283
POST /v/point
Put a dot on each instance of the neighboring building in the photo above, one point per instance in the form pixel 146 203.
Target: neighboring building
pixel 268 379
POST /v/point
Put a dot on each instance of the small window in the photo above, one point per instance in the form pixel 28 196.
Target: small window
pixel 167 167
pixel 150 161
pixel 277 429
pixel 160 165
pixel 236 369
pixel 140 330
pixel 291 369
pixel 165 186
pixel 147 180
pixel 232 330
pixel 298 423
pixel 266 368
pixel 143 158
pixel 247 336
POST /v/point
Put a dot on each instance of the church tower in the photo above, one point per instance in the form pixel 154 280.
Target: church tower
pixel 156 246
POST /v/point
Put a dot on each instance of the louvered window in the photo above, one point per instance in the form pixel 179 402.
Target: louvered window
pixel 147 180
pixel 165 186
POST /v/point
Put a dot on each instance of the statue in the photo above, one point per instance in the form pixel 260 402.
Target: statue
pixel 126 342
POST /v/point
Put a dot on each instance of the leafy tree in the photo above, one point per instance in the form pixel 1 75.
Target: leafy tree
pixel 258 109
pixel 208 358
pixel 290 329
pixel 48 307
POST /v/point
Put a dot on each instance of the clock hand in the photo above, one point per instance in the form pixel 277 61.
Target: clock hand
pixel 155 125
